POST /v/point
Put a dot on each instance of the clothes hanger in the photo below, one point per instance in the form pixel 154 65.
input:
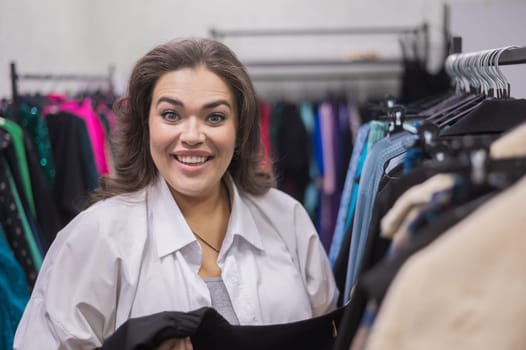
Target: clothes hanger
pixel 493 114
pixel 452 102
pixel 472 69
pixel 466 86
pixel 396 117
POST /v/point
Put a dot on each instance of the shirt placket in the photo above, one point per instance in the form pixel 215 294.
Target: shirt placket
pixel 239 292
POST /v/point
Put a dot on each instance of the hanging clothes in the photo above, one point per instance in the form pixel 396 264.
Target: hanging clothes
pixel 76 171
pixel 311 200
pixel 381 153
pixel 291 157
pixel 328 127
pixel 351 180
pixel 488 278
pixel 420 215
pixel 265 110
pixel 313 174
pixel 31 120
pixel 15 227
pixel 47 220
pixel 449 171
pixel 95 130
pixel 14 292
pixel 17 137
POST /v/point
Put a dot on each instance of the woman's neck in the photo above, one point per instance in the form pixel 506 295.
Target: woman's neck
pixel 200 212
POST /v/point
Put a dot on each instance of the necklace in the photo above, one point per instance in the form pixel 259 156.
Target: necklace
pixel 202 239
pixel 205 242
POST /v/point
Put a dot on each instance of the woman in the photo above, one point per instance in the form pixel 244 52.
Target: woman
pixel 190 220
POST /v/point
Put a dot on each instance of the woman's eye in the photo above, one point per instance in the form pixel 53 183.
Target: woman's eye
pixel 216 118
pixel 170 116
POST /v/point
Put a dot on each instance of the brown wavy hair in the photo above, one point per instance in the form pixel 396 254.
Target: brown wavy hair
pixel 134 166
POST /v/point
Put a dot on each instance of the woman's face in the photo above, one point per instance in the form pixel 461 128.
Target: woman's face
pixel 193 125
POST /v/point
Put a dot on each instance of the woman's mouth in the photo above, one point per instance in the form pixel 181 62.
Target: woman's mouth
pixel 191 160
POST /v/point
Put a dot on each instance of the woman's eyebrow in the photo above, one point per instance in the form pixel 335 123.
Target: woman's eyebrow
pixel 170 100
pixel 209 105
pixel 217 103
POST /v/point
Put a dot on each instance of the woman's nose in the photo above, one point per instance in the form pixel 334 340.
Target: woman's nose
pixel 192 133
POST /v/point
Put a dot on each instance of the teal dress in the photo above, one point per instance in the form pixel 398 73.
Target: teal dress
pixel 14 293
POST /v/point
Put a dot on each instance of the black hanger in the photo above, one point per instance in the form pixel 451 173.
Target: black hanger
pixel 491 115
pixel 392 113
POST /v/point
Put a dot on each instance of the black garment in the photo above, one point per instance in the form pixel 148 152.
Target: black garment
pixel 351 318
pixel 73 163
pixel 292 152
pixel 392 187
pixel 47 215
pixel 10 218
pixel 374 283
pixel 417 83
pixel 377 280
pixel 339 269
pixel 344 149
pixel 376 246
pixel 12 159
pixel 209 331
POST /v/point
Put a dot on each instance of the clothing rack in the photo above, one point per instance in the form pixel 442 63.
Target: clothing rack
pixel 368 75
pixel 221 34
pixel 513 56
pixel 516 55
pixel 416 31
pixel 16 76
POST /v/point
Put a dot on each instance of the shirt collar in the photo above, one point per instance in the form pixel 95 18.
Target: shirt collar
pixel 171 231
pixel 166 221
pixel 241 221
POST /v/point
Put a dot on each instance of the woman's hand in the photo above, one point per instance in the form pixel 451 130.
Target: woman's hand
pixel 176 344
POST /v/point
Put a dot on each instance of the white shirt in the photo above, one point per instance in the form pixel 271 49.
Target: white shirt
pixel 135 255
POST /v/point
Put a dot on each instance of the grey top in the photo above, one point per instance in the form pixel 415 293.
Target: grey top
pixel 220 299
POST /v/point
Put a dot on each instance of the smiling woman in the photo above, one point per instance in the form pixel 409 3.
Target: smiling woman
pixel 189 221
pixel 192 132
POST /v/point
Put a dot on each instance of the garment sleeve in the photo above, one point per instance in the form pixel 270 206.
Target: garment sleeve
pixel 74 300
pixel 314 265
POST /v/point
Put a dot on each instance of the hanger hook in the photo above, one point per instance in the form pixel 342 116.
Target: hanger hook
pixel 507 88
pixel 486 79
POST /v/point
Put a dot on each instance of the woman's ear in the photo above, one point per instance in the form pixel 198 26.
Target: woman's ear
pixel 236 153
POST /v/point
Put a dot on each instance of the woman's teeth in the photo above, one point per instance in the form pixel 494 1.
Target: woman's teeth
pixel 191 159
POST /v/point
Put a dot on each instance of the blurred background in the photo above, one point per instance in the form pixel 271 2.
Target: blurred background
pixel 335 79
pixel 74 37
